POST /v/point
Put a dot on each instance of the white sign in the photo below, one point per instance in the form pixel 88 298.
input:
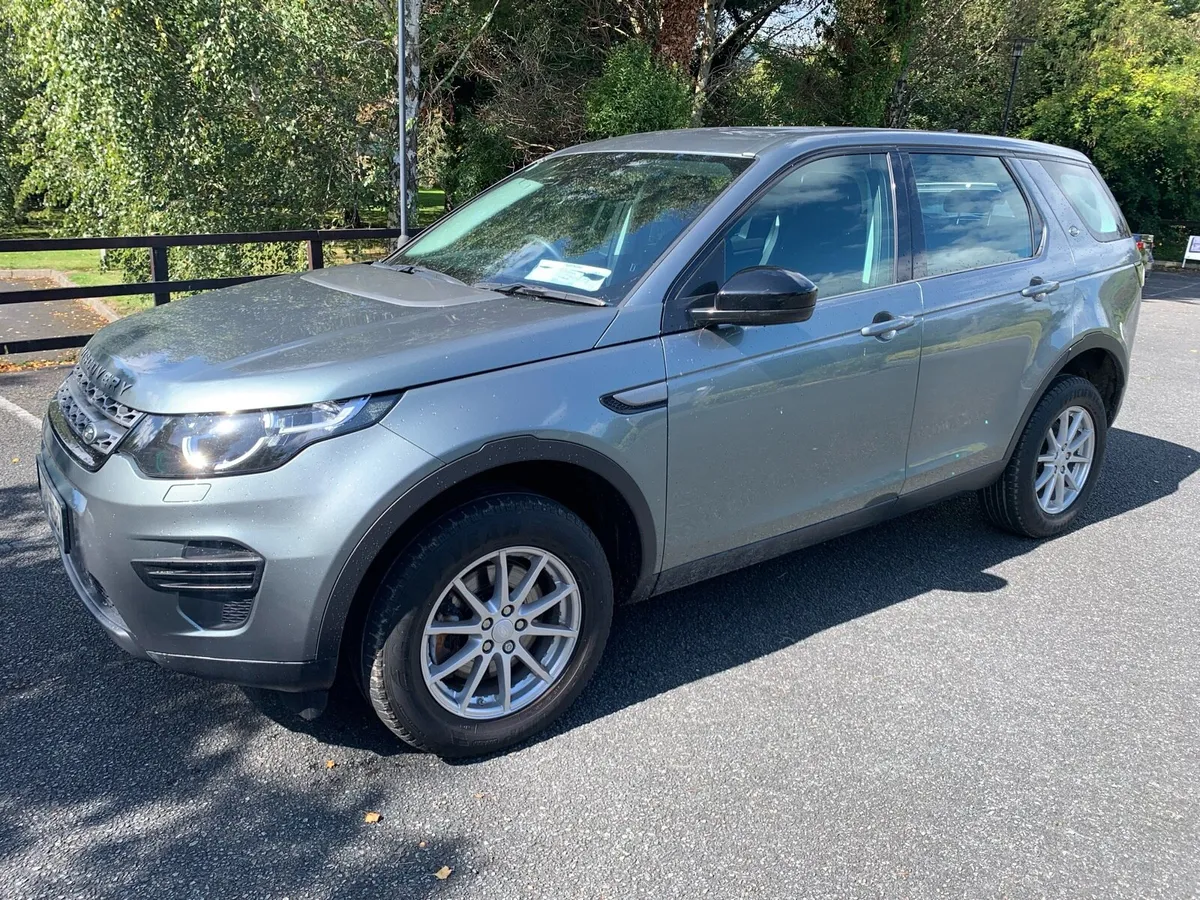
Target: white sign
pixel 1193 249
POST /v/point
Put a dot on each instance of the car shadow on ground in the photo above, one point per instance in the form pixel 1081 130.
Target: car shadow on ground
pixel 119 779
pixel 704 629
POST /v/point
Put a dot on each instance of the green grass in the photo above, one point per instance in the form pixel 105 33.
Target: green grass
pixel 82 267
pixel 61 260
pixel 431 205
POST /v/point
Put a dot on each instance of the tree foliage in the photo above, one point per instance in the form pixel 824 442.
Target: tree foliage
pixel 1131 101
pixel 214 115
pixel 635 93
pixel 14 94
pixel 202 115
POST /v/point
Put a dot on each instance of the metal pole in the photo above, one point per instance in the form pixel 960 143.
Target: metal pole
pixel 1017 51
pixel 402 105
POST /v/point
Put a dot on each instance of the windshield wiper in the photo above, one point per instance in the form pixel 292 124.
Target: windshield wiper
pixel 536 290
pixel 410 268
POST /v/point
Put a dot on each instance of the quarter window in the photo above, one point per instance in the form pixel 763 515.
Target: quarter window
pixel 1089 199
pixel 972 212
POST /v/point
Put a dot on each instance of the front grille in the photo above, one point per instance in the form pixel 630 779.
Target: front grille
pixel 96 421
pixel 115 410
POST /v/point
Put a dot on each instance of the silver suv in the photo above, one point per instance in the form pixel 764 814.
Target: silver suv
pixel 630 366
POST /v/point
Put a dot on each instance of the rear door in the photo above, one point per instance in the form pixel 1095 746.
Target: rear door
pixel 984 254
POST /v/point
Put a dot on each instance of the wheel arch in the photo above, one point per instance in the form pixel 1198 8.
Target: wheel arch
pixel 589 483
pixel 1101 359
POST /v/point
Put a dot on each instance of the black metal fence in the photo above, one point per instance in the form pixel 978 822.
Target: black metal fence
pixel 160 283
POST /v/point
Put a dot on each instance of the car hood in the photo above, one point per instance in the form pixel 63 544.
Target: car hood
pixel 327 335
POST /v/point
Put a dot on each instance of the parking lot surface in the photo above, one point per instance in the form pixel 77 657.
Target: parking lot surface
pixel 929 708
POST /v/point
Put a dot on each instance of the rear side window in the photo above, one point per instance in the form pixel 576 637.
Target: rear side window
pixel 1087 195
pixel 972 212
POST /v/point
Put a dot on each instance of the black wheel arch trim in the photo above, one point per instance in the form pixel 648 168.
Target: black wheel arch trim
pixel 1093 341
pixel 490 456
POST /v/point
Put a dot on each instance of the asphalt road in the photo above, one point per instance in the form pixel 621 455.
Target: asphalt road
pixel 926 709
pixel 52 318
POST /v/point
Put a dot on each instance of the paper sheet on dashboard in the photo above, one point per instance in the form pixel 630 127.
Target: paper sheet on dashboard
pixel 569 274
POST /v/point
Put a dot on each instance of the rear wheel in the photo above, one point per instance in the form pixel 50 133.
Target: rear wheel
pixel 1056 462
pixel 489 626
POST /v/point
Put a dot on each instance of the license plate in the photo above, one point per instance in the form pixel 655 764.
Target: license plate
pixel 56 509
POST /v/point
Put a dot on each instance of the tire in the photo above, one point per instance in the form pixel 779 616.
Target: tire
pixel 399 657
pixel 1011 502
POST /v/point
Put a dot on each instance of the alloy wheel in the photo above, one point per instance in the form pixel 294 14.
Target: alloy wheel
pixel 1065 460
pixel 501 633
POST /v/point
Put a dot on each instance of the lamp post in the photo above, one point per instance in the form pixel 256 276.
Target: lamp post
pixel 1018 50
pixel 402 118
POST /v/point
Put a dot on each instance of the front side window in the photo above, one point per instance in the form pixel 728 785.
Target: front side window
pixel 587 223
pixel 831 220
pixel 972 212
pixel 1089 199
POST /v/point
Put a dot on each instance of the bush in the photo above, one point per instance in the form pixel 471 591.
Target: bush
pixel 636 93
pixel 482 155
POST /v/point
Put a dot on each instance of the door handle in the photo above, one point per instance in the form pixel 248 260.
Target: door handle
pixel 886 330
pixel 1038 288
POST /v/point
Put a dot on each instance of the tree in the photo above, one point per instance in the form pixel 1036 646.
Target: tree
pixel 14 93
pixel 211 115
pixel 1131 100
pixel 637 93
pixel 201 115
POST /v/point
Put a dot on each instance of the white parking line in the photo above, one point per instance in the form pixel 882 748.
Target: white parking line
pixel 23 414
pixel 1167 293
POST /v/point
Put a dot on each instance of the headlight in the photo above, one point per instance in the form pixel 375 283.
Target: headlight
pixel 237 443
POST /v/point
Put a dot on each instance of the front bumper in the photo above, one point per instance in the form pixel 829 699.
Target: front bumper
pixel 303 519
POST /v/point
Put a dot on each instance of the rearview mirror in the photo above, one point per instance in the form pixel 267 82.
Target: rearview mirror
pixel 761 295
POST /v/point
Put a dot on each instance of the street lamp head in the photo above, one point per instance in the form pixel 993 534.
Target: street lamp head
pixel 1019 45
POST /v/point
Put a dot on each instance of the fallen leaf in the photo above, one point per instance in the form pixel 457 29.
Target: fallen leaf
pixel 329 764
pixel 423 844
pixel 480 796
pixel 443 873
pixel 16 459
pixel 372 817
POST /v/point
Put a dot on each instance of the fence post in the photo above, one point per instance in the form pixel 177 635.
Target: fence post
pixel 316 254
pixel 158 272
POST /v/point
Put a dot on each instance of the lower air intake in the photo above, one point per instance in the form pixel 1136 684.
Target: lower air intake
pixel 221 570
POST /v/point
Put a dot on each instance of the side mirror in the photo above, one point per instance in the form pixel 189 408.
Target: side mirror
pixel 762 295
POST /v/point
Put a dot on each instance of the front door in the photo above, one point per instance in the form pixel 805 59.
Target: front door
pixel 772 428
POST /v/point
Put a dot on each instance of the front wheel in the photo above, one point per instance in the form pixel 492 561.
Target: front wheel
pixel 1056 462
pixel 488 626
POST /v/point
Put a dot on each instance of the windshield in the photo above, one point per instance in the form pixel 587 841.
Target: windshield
pixel 588 223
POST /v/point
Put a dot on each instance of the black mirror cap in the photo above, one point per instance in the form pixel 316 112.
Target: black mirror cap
pixel 760 295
